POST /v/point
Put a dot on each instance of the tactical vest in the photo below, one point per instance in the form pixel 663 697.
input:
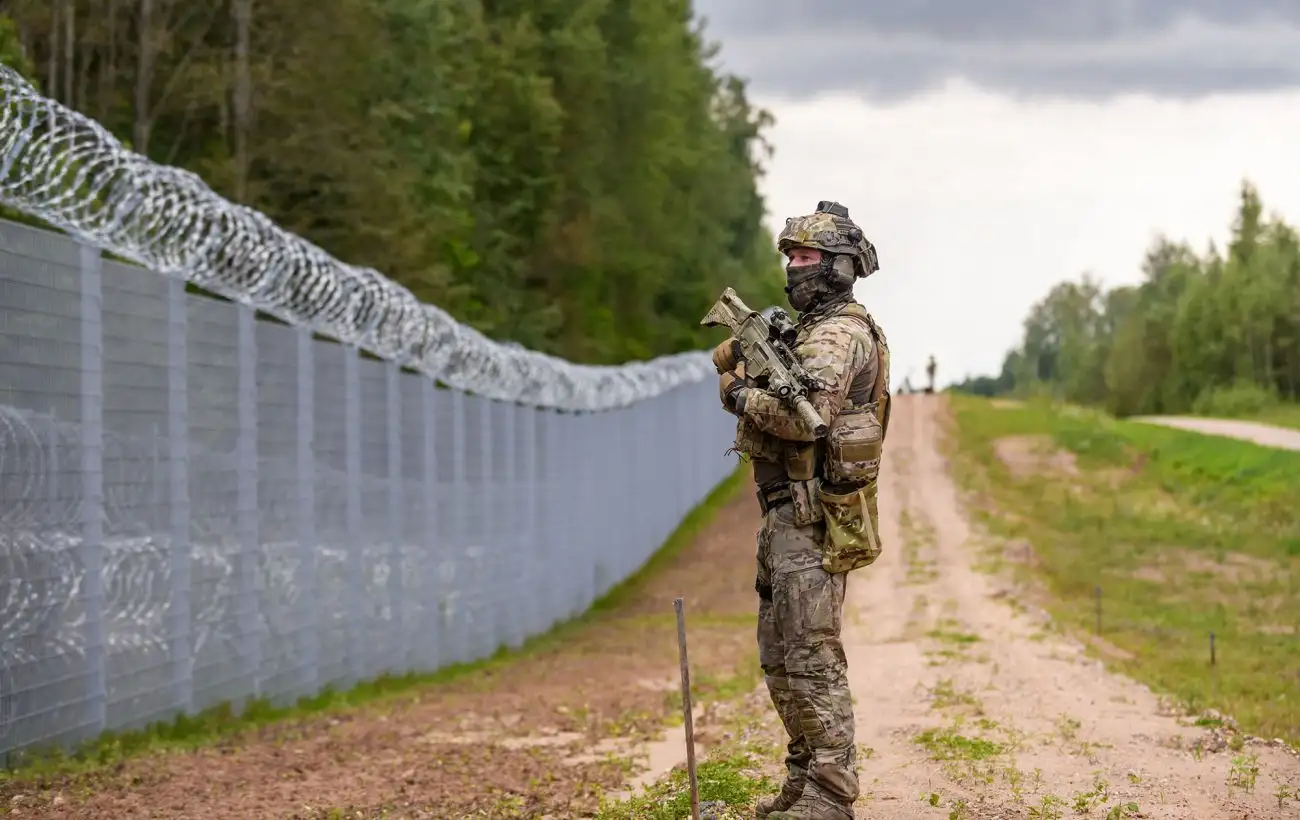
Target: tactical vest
pixel 872 392
pixel 851 448
pixel 850 452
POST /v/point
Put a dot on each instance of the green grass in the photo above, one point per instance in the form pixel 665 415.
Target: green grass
pixel 948 744
pixel 1185 535
pixel 730 780
pixel 227 720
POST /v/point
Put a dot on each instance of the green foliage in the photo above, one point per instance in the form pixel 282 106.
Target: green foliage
pixel 1217 334
pixel 728 782
pixel 1234 401
pixel 574 176
pixel 1185 534
pixel 11 50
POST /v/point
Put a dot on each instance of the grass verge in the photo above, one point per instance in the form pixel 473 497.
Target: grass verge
pixel 227 720
pixel 1169 535
pixel 730 776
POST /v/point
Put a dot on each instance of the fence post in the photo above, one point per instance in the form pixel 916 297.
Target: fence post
pixel 514 540
pixel 355 585
pixel 459 623
pixel 487 575
pixel 681 461
pixel 586 432
pixel 396 522
pixel 644 424
pixel 709 475
pixel 92 487
pixel 309 611
pixel 616 432
pixel 430 546
pixel 574 480
pixel 249 620
pixel 532 564
pixel 178 484
pixel 624 433
pixel 544 479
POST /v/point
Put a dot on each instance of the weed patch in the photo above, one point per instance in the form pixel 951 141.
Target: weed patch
pixel 731 784
pixel 948 744
pixel 730 777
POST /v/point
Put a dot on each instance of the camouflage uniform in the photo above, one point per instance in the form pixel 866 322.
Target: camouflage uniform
pixel 819 516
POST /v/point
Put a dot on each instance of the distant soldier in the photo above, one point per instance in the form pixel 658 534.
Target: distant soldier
pixel 929 373
pixel 818 499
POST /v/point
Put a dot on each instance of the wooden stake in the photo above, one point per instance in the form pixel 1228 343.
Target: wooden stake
pixel 686 709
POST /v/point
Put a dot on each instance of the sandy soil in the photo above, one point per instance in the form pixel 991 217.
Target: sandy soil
pixel 1266 434
pixel 932 639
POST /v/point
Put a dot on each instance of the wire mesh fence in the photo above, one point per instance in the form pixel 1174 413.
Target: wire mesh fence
pixel 199 505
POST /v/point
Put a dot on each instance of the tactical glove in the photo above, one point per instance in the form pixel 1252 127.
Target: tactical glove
pixel 732 389
pixel 727 355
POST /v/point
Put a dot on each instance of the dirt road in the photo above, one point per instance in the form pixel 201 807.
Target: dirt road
pixel 1266 434
pixel 933 641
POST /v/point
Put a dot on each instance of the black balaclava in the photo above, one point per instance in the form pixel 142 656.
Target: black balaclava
pixel 827 283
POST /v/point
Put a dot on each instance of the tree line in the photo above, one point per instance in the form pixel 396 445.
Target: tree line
pixel 572 175
pixel 1213 333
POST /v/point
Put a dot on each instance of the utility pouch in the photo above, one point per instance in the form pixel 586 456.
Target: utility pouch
pixel 753 443
pixel 853 447
pixel 807 506
pixel 852 528
pixel 801 460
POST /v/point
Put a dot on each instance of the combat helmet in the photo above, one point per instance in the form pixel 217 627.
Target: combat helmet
pixel 830 230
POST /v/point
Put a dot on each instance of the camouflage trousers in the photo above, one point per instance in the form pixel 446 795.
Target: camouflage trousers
pixel 802 655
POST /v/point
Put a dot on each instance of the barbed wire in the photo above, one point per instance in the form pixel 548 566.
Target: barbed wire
pixel 68 170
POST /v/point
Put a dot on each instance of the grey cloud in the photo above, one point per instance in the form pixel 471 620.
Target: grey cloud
pixel 1084 48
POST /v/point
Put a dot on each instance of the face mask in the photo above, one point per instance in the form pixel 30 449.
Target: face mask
pixel 801 285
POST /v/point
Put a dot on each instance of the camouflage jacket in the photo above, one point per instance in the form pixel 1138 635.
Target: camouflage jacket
pixel 837 349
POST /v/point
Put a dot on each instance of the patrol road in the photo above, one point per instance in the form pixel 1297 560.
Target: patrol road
pixel 1264 434
pixel 1011 708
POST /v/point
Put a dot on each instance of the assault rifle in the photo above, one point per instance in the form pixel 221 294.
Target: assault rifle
pixel 766 346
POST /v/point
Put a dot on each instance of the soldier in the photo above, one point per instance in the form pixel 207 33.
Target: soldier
pixel 929 373
pixel 818 499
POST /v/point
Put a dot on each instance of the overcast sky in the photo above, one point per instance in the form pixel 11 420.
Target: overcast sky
pixel 991 149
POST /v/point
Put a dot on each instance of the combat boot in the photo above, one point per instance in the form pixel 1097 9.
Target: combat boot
pixel 791 789
pixel 814 804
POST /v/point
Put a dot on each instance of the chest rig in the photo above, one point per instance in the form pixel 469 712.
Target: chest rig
pixel 848 457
